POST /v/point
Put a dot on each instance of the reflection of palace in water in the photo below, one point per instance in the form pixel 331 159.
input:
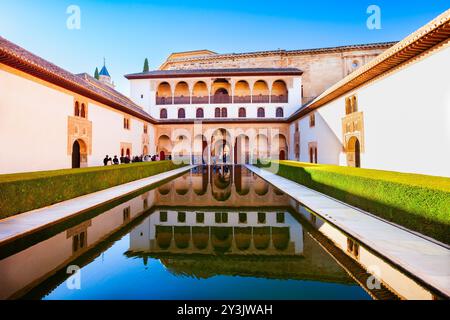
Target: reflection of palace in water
pixel 249 232
pixel 202 224
pixel 220 185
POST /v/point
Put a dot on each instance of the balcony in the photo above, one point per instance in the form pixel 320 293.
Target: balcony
pixel 181 100
pixel 223 98
pixel 279 99
pixel 260 98
pixel 220 98
pixel 242 99
pixel 163 100
pixel 196 100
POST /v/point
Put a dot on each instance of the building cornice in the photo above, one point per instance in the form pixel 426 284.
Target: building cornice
pixel 218 73
pixel 223 120
pixel 246 55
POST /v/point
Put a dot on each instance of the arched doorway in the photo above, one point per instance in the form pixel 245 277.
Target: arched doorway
pixel 164 147
pixel 279 147
pixel 220 90
pixel 354 152
pixel 357 154
pixel 221 146
pixel 79 154
pixel 76 155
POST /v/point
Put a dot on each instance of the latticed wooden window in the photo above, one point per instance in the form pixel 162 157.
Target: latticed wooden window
pixel 261 113
pixel 199 113
pixel 181 113
pixel 279 112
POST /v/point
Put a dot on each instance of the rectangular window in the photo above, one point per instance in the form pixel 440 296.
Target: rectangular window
pixel 224 217
pixel 352 248
pixel 221 217
pixel 200 217
pixel 145 204
pixel 126 214
pixel 242 217
pixel 261 217
pixel 280 217
pixel 163 216
pixel 312 120
pixel 126 123
pixel 182 217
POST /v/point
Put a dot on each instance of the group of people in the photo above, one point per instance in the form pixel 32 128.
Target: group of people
pixel 127 159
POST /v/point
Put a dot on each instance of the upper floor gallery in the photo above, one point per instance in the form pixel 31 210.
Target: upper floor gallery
pixel 218 93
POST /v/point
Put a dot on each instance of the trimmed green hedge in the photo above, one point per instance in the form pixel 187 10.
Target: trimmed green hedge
pixel 22 192
pixel 418 202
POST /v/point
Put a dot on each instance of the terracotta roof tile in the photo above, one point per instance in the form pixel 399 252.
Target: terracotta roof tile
pixel 21 59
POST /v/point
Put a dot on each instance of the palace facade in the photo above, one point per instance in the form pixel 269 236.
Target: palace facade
pixel 382 106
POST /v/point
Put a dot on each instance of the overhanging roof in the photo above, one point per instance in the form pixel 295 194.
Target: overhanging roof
pixel 432 34
pixel 226 72
pixel 18 58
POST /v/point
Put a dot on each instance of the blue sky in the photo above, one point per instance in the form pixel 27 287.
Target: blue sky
pixel 125 32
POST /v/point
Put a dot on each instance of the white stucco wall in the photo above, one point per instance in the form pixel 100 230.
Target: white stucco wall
pixel 108 132
pixel 406 121
pixel 34 127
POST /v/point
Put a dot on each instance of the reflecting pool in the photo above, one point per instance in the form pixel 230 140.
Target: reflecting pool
pixel 212 233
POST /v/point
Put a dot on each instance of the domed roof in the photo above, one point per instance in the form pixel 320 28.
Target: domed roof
pixel 104 72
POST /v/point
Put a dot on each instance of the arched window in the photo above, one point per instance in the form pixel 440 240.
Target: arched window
pixel 199 113
pixel 77 109
pixel 181 113
pixel 261 112
pixel 164 94
pixel 242 113
pixel 163 113
pixel 217 113
pixel 354 104
pixel 224 113
pixel 83 111
pixel 279 112
pixel 351 105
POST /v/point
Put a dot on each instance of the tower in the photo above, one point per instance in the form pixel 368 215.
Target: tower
pixel 104 76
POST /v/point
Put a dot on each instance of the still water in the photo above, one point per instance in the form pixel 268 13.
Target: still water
pixel 219 233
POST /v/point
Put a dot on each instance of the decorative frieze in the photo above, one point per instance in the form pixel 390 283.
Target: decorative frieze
pixel 79 129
